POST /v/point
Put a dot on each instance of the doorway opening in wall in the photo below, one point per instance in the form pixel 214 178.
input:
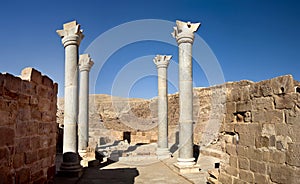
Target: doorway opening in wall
pixel 127 136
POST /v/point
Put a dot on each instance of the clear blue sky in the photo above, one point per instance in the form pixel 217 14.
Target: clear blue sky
pixel 253 40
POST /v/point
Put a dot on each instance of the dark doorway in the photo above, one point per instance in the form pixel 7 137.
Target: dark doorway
pixel 127 136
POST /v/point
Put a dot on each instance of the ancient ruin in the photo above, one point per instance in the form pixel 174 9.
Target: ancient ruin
pixel 236 132
pixel 184 35
pixel 162 63
pixel 28 127
pixel 71 37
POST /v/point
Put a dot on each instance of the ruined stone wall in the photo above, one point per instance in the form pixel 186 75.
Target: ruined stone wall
pixel 27 127
pixel 261 133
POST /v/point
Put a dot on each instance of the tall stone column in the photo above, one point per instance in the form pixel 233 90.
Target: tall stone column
pixel 85 64
pixel 162 62
pixel 71 37
pixel 184 34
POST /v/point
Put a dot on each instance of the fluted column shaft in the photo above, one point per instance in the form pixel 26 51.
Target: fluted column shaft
pixel 184 34
pixel 85 64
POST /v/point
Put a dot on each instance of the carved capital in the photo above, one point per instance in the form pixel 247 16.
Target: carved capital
pixel 184 31
pixel 162 61
pixel 71 34
pixel 85 62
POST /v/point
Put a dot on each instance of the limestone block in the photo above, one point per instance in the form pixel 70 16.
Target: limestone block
pixel 30 74
pixel 244 163
pixel 259 154
pixel 293 116
pixel 7 136
pixel 278 157
pixel 22 144
pixel 243 151
pixel 238 181
pixel 266 103
pixel 258 167
pixel 46 81
pixel 225 178
pixel 272 116
pixel 268 129
pixel 233 171
pixel 247 176
pixel 244 106
pixel 261 141
pixel 293 154
pixel 18 160
pixel 286 101
pixel 4 119
pixel 30 157
pixel 281 174
pixel 233 161
pixel 247 133
pixel 261 178
pixel 231 149
pixel 23 175
pixel 283 84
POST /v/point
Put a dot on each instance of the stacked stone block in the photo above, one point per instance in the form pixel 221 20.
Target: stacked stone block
pixel 27 128
pixel 262 129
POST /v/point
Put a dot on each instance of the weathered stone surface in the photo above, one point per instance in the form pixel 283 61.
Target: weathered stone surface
pixel 272 116
pixel 20 116
pixel 247 176
pixel 261 178
pixel 244 163
pixel 286 101
pixel 293 154
pixel 258 167
pixel 266 103
pixel 283 84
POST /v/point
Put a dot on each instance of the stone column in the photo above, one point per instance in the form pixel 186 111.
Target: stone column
pixel 71 37
pixel 184 34
pixel 162 62
pixel 85 64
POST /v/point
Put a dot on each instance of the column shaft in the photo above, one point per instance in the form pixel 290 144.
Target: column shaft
pixel 162 108
pixel 185 101
pixel 83 117
pixel 71 99
pixel 184 34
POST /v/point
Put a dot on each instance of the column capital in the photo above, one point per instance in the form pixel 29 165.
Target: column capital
pixel 162 61
pixel 184 31
pixel 85 62
pixel 71 34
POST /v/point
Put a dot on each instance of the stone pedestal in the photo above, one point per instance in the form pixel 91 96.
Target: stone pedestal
pixel 162 62
pixel 184 34
pixel 71 37
pixel 85 64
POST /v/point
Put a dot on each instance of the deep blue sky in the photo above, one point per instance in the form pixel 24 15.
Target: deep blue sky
pixel 253 40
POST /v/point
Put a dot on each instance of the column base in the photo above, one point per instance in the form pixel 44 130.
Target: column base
pixel 186 165
pixel 163 153
pixel 70 167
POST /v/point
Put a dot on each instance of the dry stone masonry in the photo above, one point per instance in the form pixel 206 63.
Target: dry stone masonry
pixel 27 128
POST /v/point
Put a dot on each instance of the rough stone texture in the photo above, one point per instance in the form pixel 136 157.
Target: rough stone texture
pixel 27 128
pixel 264 129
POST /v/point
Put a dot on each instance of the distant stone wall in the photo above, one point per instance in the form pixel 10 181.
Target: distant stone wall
pixel 261 133
pixel 27 128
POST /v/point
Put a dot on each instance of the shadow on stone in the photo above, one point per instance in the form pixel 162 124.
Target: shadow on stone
pixel 174 147
pixel 196 152
pixel 111 176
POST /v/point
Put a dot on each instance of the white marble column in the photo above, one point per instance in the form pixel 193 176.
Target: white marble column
pixel 85 64
pixel 184 34
pixel 162 62
pixel 71 37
